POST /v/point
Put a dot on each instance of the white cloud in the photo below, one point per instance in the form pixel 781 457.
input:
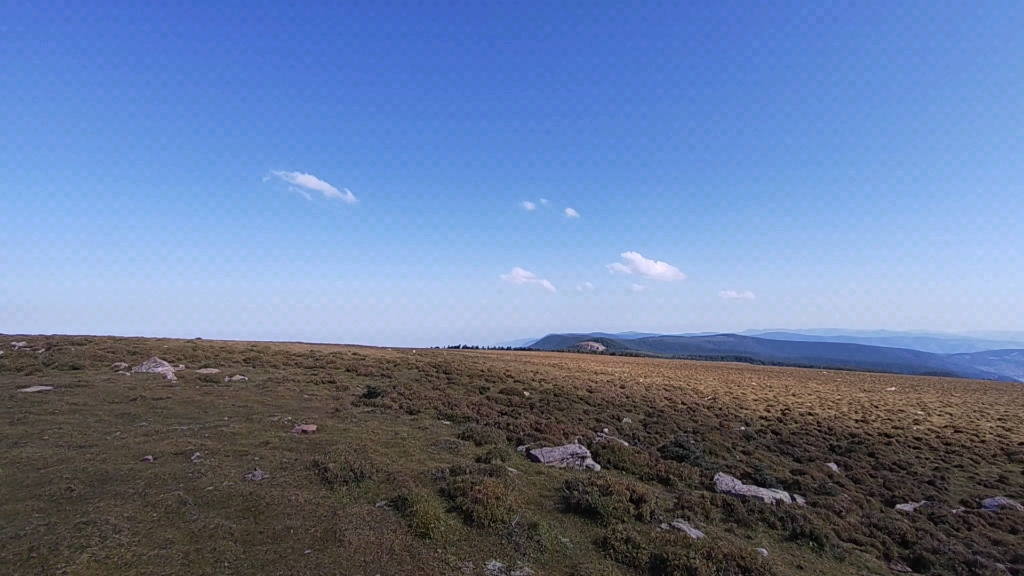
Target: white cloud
pixel 734 295
pixel 301 192
pixel 638 287
pixel 530 206
pixel 310 182
pixel 585 287
pixel 655 270
pixel 520 276
pixel 544 202
pixel 570 213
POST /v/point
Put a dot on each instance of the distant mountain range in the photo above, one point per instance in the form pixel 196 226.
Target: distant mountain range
pixel 875 352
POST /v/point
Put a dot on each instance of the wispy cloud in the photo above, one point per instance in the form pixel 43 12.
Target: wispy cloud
pixel 570 213
pixel 303 182
pixel 529 206
pixel 638 287
pixel 544 202
pixel 301 192
pixel 585 287
pixel 653 269
pixel 520 276
pixel 734 295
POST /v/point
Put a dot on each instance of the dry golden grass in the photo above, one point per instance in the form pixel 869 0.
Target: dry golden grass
pixel 78 500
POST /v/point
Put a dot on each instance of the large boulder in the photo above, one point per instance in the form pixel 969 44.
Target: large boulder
pixel 157 366
pixel 575 456
pixel 726 484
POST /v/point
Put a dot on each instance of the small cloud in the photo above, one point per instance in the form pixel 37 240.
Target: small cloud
pixel 655 270
pixel 529 206
pixel 570 213
pixel 303 182
pixel 734 295
pixel 520 276
pixel 544 202
pixel 638 287
pixel 585 287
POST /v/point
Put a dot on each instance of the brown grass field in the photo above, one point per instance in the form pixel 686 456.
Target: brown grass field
pixel 416 480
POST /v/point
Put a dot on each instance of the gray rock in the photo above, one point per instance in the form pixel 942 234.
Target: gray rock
pixel 36 389
pixel 627 420
pixel 256 475
pixel 604 437
pixel 236 378
pixel 574 456
pixel 196 458
pixel 157 366
pixel 119 366
pixel 19 345
pixel 208 371
pixel 727 484
pixel 833 467
pixel 911 506
pixel 684 526
pixel 1000 503
pixel 761 551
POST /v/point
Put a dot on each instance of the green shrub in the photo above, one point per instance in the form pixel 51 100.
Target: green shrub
pixel 373 392
pixel 642 464
pixel 425 513
pixel 683 448
pixel 483 435
pixel 495 455
pixel 623 544
pixel 484 495
pixel 688 558
pixel 334 470
pixel 609 500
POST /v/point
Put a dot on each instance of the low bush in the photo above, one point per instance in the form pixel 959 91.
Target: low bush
pixel 425 513
pixel 483 435
pixel 485 495
pixel 609 500
pixel 334 470
pixel 683 448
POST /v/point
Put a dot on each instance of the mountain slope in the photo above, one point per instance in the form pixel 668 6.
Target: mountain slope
pixel 1008 363
pixel 938 344
pixel 798 353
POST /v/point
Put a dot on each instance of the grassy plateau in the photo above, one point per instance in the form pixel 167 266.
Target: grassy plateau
pixel 413 468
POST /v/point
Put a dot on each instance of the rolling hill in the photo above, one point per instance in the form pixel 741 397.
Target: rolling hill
pixel 837 355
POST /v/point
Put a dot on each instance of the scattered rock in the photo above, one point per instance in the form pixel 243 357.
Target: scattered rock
pixel 526 393
pixel 36 389
pixel 495 568
pixel 256 475
pixel 147 459
pixel 899 566
pixel 604 437
pixel 574 456
pixel 833 467
pixel 761 551
pixel 727 484
pixel 208 371
pixel 891 389
pixel 383 504
pixel 179 368
pixel 911 506
pixel 236 378
pixel 521 449
pixel 125 372
pixel 304 429
pixel 683 526
pixel 1000 503
pixel 627 420
pixel 196 458
pixel 119 366
pixel 157 366
pixel 19 345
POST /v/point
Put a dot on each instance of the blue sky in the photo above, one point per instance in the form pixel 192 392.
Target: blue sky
pixel 187 171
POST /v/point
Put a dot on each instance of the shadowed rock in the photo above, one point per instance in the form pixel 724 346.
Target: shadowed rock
pixel 236 378
pixel 36 389
pixel 19 345
pixel 684 526
pixel 304 429
pixel 256 475
pixel 727 484
pixel 574 456
pixel 1000 503
pixel 833 467
pixel 157 366
pixel 207 371
pixel 119 366
pixel 911 506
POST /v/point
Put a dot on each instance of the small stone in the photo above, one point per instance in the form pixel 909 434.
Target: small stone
pixel 521 449
pixel 574 456
pixel 208 371
pixel 256 475
pixel 124 372
pixel 304 429
pixel 891 389
pixel 157 366
pixel 727 484
pixel 236 378
pixel 119 366
pixel 383 504
pixel 761 551
pixel 899 566
pixel 911 506
pixel 36 389
pixel 833 466
pixel 604 437
pixel 147 459
pixel 684 526
pixel 19 345
pixel 627 421
pixel 526 393
pixel 196 458
pixel 1000 503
